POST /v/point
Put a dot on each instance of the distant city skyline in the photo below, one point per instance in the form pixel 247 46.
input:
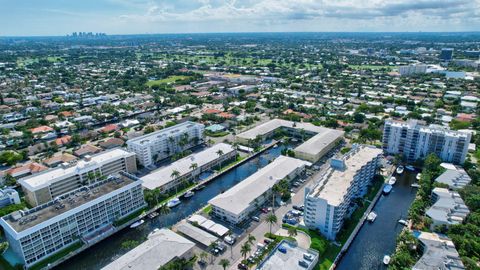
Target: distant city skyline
pixel 60 17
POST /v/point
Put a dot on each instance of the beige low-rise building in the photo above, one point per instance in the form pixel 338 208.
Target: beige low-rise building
pixel 45 186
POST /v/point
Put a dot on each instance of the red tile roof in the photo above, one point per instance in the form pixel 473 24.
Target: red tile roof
pixel 41 129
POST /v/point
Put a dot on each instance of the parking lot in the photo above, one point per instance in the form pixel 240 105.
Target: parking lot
pixel 285 213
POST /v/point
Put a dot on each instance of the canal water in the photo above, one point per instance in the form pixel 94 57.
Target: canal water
pixel 377 239
pixel 109 249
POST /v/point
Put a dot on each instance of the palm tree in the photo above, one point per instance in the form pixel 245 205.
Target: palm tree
pixel 292 231
pixel 193 167
pixel 164 209
pixel 220 153
pixel 251 239
pixel 275 190
pixel 175 174
pixel 203 256
pixel 271 219
pixel 245 249
pixel 224 263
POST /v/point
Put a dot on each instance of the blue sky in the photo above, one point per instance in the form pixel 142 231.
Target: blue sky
pixel 59 17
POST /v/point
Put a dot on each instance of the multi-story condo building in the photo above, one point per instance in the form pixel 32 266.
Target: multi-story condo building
pixel 45 186
pixel 412 69
pixel 438 252
pixel 318 140
pixel 83 216
pixel 236 204
pixel 166 142
pixel 189 167
pixel 447 209
pixel 328 203
pixel 413 141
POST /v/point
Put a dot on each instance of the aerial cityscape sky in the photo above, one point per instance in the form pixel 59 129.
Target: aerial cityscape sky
pixel 59 17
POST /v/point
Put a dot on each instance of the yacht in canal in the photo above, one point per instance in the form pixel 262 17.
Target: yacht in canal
pixel 200 187
pixel 387 189
pixel 372 216
pixel 403 222
pixel 392 181
pixel 188 194
pixel 410 168
pixel 138 223
pixel 386 259
pixel 400 169
pixel 174 202
pixel 419 175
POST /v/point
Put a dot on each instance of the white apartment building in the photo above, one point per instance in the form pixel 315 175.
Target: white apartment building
pixel 164 143
pixel 415 141
pixel 328 203
pixel 318 140
pixel 84 215
pixel 205 160
pixel 412 69
pixel 8 196
pixel 236 204
pixel 45 186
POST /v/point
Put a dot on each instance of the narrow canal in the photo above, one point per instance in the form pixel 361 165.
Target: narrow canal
pixel 377 239
pixel 109 249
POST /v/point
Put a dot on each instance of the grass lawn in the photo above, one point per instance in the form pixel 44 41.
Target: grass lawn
pixel 207 209
pixel 57 256
pixel 217 134
pixel 170 79
pixel 128 218
pixel 54 59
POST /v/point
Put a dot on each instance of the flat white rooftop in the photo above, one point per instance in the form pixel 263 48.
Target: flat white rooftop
pixel 162 176
pixel 338 181
pixel 288 260
pixel 160 248
pixel 428 129
pixel 323 138
pixel 238 198
pixel 154 136
pixel 48 177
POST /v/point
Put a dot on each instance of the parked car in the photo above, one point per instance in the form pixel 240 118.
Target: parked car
pixel 299 207
pixel 255 218
pixel 264 210
pixel 267 241
pixel 242 266
pixel 303 263
pixel 230 239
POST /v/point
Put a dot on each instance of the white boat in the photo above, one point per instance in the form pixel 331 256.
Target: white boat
pixel 174 202
pixel 386 259
pixel 419 175
pixel 415 185
pixel 188 194
pixel 153 214
pixel 392 181
pixel 410 168
pixel 371 216
pixel 400 169
pixel 138 223
pixel 403 222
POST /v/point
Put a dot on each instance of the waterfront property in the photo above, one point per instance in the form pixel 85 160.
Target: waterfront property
pixel 288 255
pixel 164 143
pixel 84 215
pixel 328 203
pixel 237 203
pixel 438 253
pixel 189 167
pixel 414 141
pixel 448 208
pixel 162 247
pixel 198 235
pixel 47 185
pixel 321 140
pixel 455 177
pixel 8 196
